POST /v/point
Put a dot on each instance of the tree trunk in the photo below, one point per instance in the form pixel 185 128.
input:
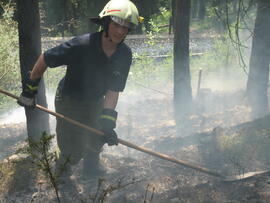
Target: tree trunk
pixel 173 4
pixel 195 8
pixel 182 79
pixel 202 9
pixel 258 77
pixel 30 49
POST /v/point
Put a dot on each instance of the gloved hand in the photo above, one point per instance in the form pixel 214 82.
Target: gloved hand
pixel 30 88
pixel 107 121
pixel 110 138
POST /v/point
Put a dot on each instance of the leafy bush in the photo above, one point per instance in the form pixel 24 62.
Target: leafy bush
pixel 159 22
pixel 150 74
pixel 9 56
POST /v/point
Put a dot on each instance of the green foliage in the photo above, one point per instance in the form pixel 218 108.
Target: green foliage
pixel 71 17
pixel 68 18
pixel 9 56
pixel 147 70
pixel 230 23
pixel 222 15
pixel 45 160
pixel 201 25
pixel 150 73
pixel 159 21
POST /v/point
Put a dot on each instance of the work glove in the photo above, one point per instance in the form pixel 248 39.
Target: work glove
pixel 107 121
pixel 30 89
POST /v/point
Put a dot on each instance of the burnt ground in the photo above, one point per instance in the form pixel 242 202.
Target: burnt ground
pixel 221 138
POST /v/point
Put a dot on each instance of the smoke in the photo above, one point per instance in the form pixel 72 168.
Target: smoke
pixel 224 81
pixel 17 114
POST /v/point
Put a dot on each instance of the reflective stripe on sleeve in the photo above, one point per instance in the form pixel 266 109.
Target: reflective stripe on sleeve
pixel 32 88
pixel 108 117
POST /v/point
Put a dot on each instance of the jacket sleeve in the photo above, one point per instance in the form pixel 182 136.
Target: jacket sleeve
pixel 65 53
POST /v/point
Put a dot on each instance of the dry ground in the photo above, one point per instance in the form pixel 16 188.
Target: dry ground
pixel 220 138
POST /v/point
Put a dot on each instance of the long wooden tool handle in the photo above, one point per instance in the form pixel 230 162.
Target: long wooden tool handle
pixel 123 142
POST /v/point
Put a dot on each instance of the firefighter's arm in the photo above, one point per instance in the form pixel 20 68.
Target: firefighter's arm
pixel 111 99
pixel 30 83
pixel 108 117
pixel 39 68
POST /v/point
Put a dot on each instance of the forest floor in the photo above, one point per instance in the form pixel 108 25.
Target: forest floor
pixel 220 137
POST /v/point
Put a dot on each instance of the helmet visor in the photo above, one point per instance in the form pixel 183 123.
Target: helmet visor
pixel 121 21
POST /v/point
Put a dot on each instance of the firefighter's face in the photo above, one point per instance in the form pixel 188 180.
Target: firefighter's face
pixel 116 32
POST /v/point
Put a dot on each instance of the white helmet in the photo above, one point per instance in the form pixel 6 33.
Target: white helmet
pixel 123 12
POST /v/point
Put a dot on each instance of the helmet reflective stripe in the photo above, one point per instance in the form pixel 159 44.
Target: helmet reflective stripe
pixel 112 11
pixel 121 21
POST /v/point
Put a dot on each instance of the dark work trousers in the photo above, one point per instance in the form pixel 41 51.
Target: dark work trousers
pixel 73 141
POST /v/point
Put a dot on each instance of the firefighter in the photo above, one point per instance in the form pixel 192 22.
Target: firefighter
pixel 97 68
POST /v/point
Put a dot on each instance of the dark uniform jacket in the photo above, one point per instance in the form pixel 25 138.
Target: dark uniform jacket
pixel 90 73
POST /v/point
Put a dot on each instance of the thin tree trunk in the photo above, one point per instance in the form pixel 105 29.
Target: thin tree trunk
pixel 258 77
pixel 202 9
pixel 195 8
pixel 182 79
pixel 30 49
